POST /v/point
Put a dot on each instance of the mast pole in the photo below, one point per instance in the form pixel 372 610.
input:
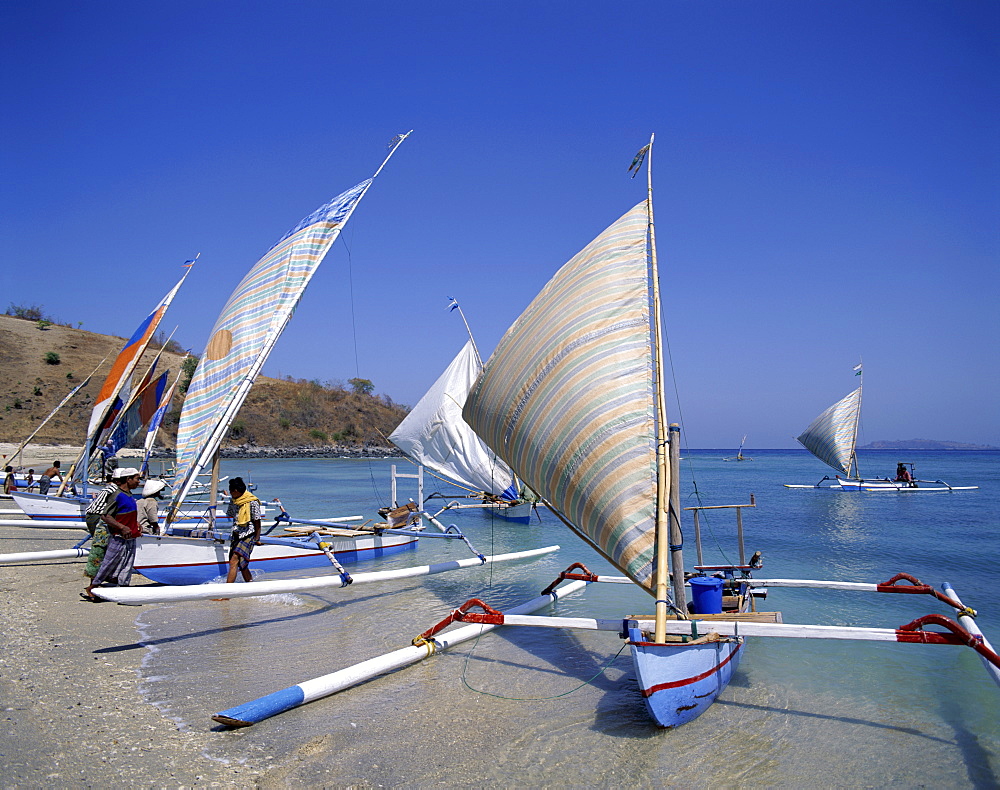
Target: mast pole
pixel 663 543
pixel 475 348
pixel 857 422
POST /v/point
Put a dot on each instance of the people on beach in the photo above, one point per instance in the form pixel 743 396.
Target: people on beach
pixel 46 479
pixel 149 505
pixel 30 480
pixel 94 516
pixel 244 510
pixel 9 483
pixel 122 522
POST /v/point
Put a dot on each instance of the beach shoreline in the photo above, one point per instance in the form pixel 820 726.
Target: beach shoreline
pixel 40 456
pixel 73 711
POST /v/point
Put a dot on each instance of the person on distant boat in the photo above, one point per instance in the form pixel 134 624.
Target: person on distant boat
pixel 149 506
pixel 903 474
pixel 94 516
pixel 46 479
pixel 121 521
pixel 9 483
pixel 244 510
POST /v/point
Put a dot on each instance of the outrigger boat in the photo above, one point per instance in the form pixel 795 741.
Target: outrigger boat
pixel 244 334
pixel 572 399
pixel 832 438
pixel 435 436
pixel 739 453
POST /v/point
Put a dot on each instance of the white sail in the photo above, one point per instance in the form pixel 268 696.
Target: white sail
pixel 831 436
pixel 435 435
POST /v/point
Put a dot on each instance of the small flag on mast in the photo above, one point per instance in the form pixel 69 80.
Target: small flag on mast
pixel 857 370
pixel 637 162
pixel 452 303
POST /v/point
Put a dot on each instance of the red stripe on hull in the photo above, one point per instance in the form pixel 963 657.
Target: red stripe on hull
pixel 688 681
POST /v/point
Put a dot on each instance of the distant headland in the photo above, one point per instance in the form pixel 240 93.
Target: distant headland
pixel 925 444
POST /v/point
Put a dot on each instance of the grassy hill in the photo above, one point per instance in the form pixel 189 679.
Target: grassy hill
pixel 38 367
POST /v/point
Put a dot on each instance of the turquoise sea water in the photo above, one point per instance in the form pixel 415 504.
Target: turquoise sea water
pixel 552 708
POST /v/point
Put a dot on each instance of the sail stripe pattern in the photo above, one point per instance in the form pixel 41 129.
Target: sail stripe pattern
pixel 126 361
pixel 831 436
pixel 567 397
pixel 253 317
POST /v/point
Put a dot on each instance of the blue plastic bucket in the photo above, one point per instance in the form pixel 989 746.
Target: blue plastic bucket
pixel 706 595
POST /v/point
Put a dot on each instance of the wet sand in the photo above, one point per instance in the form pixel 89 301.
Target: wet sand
pixel 72 714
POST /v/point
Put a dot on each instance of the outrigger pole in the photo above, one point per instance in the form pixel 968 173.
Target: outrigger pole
pixel 134 596
pixel 294 696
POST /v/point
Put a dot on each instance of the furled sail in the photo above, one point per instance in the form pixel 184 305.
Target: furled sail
pixel 246 331
pixel 567 397
pixel 831 436
pixel 435 435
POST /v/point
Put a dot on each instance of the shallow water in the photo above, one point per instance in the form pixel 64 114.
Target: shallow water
pixel 530 707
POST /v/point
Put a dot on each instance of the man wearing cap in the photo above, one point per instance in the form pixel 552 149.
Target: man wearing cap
pixel 148 507
pixel 120 520
pixel 95 516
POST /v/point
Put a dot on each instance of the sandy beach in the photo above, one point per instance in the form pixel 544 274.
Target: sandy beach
pixel 69 678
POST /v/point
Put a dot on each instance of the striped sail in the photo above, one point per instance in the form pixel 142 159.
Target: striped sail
pixel 831 436
pixel 128 357
pixel 246 331
pixel 567 397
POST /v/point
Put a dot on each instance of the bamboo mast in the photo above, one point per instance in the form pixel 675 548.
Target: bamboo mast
pixel 475 348
pixel 663 544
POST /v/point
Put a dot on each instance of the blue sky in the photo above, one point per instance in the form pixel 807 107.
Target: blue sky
pixel 826 174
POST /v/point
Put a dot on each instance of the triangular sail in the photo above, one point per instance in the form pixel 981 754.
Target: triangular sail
pixel 567 397
pixel 831 436
pixel 128 358
pixel 435 435
pixel 246 331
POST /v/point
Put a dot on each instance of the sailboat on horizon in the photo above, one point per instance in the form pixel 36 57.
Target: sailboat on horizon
pixel 832 437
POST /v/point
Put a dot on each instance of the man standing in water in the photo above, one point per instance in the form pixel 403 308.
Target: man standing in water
pixel 244 510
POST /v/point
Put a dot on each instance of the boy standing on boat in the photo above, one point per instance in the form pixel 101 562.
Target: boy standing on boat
pixel 46 479
pixel 244 510
pixel 121 520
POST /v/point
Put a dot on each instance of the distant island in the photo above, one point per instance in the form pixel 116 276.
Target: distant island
pixel 925 444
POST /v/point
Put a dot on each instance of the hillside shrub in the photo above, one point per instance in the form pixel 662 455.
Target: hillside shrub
pixel 52 358
pixel 315 433
pixel 27 312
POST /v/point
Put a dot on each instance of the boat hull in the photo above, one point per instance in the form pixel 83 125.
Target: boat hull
pixel 680 681
pixel 885 486
pixel 48 507
pixel 519 513
pixel 193 560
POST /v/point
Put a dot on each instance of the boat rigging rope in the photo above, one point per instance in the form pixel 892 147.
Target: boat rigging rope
pixel 586 682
